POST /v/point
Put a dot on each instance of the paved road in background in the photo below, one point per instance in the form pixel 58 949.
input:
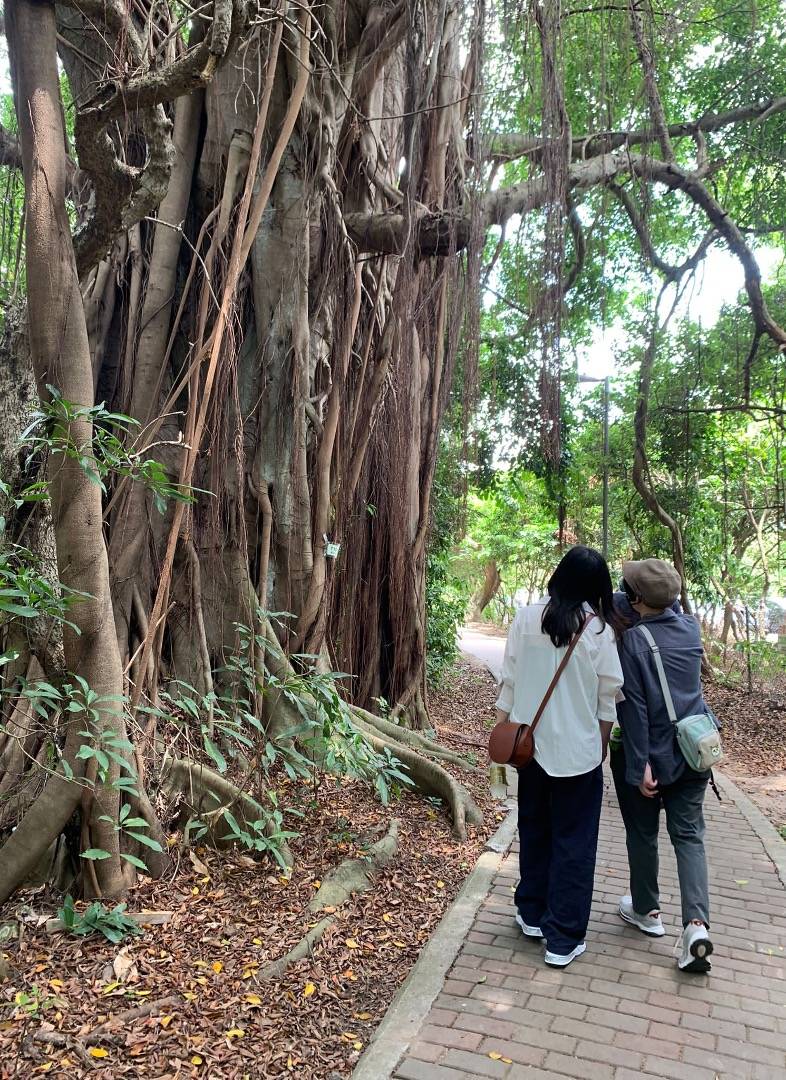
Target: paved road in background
pixel 484 647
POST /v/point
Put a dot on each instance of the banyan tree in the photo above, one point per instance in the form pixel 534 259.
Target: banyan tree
pixel 253 240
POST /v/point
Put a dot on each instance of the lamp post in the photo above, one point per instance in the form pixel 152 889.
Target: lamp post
pixel 605 381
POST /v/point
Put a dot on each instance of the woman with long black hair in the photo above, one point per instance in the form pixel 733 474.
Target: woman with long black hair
pixel 560 791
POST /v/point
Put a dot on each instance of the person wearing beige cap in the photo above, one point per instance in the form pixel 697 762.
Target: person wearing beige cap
pixel 649 769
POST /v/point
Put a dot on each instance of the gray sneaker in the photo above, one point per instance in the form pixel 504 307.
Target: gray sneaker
pixel 648 924
pixel 693 949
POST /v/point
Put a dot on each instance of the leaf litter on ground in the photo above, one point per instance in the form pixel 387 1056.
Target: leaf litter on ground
pixel 231 916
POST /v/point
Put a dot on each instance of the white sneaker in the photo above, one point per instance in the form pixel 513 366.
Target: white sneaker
pixel 648 924
pixel 693 949
pixel 528 931
pixel 555 959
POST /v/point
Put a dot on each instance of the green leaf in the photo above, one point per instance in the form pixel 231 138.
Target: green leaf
pixel 134 861
pixel 148 841
pixel 215 754
pixel 96 853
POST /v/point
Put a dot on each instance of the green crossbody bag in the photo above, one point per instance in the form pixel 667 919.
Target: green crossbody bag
pixel 697 736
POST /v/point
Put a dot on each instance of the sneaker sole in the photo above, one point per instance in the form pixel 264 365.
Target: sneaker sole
pixel 533 933
pixel 564 961
pixel 660 932
pixel 700 951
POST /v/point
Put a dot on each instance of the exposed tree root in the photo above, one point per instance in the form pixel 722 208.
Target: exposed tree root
pixel 210 795
pixel 104 1032
pixel 350 877
pixel 354 876
pixel 415 739
pixel 300 951
pixel 429 776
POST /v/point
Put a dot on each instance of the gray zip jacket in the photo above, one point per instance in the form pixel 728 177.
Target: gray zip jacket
pixel 647 732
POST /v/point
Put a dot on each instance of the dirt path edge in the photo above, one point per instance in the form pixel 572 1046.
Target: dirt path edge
pixel 761 825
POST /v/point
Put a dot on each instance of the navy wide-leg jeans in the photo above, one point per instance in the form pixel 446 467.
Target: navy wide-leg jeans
pixel 559 817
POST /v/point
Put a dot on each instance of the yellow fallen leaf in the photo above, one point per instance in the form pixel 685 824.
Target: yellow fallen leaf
pixel 308 989
pixel 204 880
pixel 235 1033
pixel 316 884
pixel 217 966
pixel 98 1052
pixel 248 974
pixel 440 884
pixel 201 980
pixel 200 963
pixel 387 917
pixel 350 974
pixel 290 1062
pixel 257 940
pixel 283 881
pixel 110 987
pixel 253 999
pixel 141 993
pixel 495 1055
pixel 195 891
pixel 743 882
pixel 196 1060
pixel 400 944
pixel 56 984
pixel 358 1045
pixel 66 1063
pixel 351 943
pixel 189 995
pixel 45 1067
pixel 165 1021
pixel 350 1036
pixel 362 1016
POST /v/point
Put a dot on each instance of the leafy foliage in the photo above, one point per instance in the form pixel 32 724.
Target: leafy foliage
pixel 112 453
pixel 97 919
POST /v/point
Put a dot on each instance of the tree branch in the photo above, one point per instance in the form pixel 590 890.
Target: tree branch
pixel 126 193
pixel 509 147
pixel 647 61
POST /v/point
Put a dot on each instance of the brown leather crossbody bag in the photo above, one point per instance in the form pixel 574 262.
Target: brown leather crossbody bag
pixel 514 744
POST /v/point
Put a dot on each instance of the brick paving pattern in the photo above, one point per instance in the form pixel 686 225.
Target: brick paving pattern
pixel 622 1010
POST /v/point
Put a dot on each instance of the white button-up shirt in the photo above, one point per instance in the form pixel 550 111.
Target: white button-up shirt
pixel 567 738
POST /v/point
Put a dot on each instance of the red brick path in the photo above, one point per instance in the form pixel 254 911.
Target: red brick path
pixel 622 1010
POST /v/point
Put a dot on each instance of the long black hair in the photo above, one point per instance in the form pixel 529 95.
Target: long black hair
pixel 582 577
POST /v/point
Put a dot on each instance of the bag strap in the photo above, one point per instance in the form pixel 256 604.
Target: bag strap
pixel 664 685
pixel 558 673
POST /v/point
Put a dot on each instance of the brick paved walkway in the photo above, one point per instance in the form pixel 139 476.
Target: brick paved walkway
pixel 622 1010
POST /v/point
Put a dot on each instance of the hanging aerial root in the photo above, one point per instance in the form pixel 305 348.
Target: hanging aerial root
pixel 210 796
pixel 350 878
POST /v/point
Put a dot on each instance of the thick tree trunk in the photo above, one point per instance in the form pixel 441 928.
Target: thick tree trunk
pixel 61 358
pixel 488 590
pixel 640 473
